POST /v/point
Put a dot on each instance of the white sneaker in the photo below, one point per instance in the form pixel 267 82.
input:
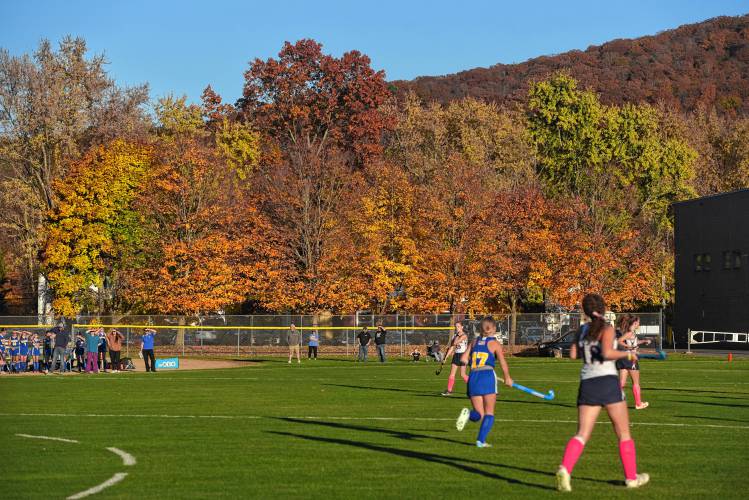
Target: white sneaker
pixel 460 424
pixel 563 480
pixel 642 405
pixel 642 480
pixel 479 444
pixel 289 361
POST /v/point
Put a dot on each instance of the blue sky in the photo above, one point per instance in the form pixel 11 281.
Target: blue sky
pixel 181 46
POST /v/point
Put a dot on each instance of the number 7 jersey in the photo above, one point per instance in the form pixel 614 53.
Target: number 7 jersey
pixel 481 356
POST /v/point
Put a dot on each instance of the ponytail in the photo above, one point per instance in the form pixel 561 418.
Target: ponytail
pixel 595 308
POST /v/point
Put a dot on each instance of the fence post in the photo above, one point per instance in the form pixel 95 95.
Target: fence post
pixel 238 334
pixel 689 340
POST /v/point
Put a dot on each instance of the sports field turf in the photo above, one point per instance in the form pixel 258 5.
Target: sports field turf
pixel 337 429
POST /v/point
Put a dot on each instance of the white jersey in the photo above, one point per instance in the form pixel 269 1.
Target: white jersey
pixel 594 364
pixel 461 346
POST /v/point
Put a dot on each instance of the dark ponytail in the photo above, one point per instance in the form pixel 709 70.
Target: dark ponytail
pixel 595 308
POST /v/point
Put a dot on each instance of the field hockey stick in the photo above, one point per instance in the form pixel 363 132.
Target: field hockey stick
pixel 548 396
pixel 660 356
pixel 439 370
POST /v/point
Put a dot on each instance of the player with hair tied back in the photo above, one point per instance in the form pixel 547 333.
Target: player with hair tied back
pixel 599 387
pixel 482 382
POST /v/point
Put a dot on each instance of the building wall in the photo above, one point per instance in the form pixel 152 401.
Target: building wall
pixel 711 244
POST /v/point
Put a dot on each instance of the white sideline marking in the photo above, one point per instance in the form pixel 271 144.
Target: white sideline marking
pixel 49 438
pixel 96 489
pixel 394 419
pixel 127 458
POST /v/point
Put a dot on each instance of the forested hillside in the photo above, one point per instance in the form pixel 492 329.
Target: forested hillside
pixel 705 63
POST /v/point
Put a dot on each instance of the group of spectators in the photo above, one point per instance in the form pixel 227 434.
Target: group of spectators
pixel 365 339
pixel 58 351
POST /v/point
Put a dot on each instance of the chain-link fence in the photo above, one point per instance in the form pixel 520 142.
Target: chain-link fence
pixel 267 335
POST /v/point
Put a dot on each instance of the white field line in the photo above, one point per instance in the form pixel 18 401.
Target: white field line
pixel 49 438
pixel 393 419
pixel 127 458
pixel 96 489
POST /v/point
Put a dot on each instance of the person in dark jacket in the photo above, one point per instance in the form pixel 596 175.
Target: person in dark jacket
pixel 381 341
pixel 58 354
pixel 364 339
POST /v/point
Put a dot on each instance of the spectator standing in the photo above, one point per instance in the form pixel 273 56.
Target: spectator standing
pixel 92 351
pixel 294 339
pixel 147 349
pixel 364 339
pixel 58 353
pixel 103 350
pixel 314 342
pixel 47 344
pixel 114 341
pixel 380 341
pixel 80 352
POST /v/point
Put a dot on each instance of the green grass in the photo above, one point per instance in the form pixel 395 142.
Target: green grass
pixel 301 447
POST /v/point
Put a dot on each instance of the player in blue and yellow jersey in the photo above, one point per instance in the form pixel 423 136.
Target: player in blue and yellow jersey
pixel 36 350
pixel 482 381
pixel 3 343
pixel 23 350
pixel 14 343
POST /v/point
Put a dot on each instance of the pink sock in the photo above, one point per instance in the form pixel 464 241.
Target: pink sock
pixel 572 452
pixel 465 378
pixel 450 384
pixel 636 393
pixel 629 458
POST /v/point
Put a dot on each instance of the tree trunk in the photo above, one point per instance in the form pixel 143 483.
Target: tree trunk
pixel 180 340
pixel 513 321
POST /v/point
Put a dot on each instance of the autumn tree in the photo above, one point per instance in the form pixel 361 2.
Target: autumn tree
pixel 54 106
pixel 621 163
pixel 205 245
pixel 94 230
pixel 324 115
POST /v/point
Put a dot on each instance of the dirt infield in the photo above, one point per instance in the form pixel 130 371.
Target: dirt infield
pixel 198 364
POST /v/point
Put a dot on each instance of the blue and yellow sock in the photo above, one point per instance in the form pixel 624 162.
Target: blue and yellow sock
pixel 474 416
pixel 486 426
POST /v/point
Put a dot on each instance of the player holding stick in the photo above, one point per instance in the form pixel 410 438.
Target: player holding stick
pixel 599 387
pixel 458 345
pixel 482 382
pixel 628 325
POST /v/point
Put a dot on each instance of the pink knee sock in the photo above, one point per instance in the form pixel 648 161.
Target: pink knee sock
pixel 636 393
pixel 572 452
pixel 465 378
pixel 450 384
pixel 629 458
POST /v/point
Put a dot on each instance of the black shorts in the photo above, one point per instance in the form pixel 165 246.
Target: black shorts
pixel 625 364
pixel 600 391
pixel 456 359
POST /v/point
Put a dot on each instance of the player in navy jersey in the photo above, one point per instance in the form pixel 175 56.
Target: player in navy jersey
pixel 599 387
pixel 458 345
pixel 482 381
pixel 626 336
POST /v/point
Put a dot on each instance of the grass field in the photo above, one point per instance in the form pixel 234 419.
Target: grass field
pixel 337 429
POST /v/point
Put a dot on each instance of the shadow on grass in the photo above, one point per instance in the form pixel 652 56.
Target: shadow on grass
pixel 744 421
pixel 429 394
pixel 694 391
pixel 427 457
pixel 413 454
pixel 379 430
pixel 709 403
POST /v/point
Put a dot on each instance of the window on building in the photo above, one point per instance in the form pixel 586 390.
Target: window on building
pixel 702 262
pixel 732 259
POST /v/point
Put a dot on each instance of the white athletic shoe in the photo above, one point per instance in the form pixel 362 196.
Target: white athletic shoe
pixel 479 444
pixel 642 480
pixel 563 480
pixel 642 405
pixel 460 424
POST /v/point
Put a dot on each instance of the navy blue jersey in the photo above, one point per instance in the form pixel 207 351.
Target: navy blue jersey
pixel 14 342
pixel 480 354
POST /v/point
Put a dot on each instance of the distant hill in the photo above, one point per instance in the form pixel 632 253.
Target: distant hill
pixel 707 62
